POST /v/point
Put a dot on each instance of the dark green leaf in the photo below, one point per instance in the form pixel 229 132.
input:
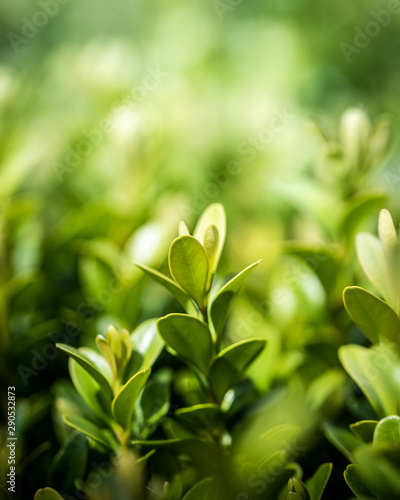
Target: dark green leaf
pixel 317 483
pixel 206 489
pixel 207 416
pixel 189 337
pixel 102 436
pixel 364 429
pixel 231 363
pixel 357 484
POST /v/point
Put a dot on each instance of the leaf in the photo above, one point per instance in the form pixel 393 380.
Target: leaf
pixel 214 214
pixel 70 463
pixel 124 402
pixel 364 429
pixel 84 361
pixel 359 207
pixel 222 300
pixel 387 432
pixel 189 337
pixel 183 229
pixel 211 246
pixel 387 233
pixel 153 405
pixel 357 484
pixel 188 264
pixel 147 343
pixel 231 363
pixel 372 315
pixel 102 436
pixel 372 260
pixel 90 391
pixel 206 416
pixel 47 494
pixel 371 369
pixel 342 439
pixel 207 488
pixel 175 290
pixel 317 483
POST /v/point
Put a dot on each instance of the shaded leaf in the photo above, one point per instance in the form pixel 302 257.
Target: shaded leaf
pixel 189 337
pixel 206 489
pixel 207 416
pixel 102 436
pixel 372 315
pixel 231 363
pixel 364 429
pixel 317 483
pixel 47 494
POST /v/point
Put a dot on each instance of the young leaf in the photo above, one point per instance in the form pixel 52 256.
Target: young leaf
pixel 189 337
pixel 214 214
pixel 372 260
pixel 223 298
pixel 188 264
pixel 211 246
pixel 47 494
pixel 230 364
pixel 356 482
pixel 317 483
pixel 92 370
pixel 102 436
pixel 387 432
pixel 372 315
pixel 175 290
pixel 124 402
pixel 207 488
pixel 147 342
pixel 387 233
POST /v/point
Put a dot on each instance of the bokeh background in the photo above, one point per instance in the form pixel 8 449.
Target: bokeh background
pixel 119 119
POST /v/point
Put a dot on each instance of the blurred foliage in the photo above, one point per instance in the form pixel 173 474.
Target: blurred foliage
pixel 119 120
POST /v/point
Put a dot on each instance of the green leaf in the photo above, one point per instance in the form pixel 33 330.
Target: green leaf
pixel 372 315
pixel 317 483
pixel 231 363
pixel 387 432
pixel 211 246
pixel 147 343
pixel 189 337
pixel 175 290
pixel 372 370
pixel 214 215
pixel 90 391
pixel 102 436
pixel 364 429
pixel 387 233
pixel 124 402
pixel 153 405
pixel 343 439
pixel 92 370
pixel 206 416
pixel 207 488
pixel 188 264
pixel 70 463
pixel 372 260
pixel 354 478
pixel 222 300
pixel 47 494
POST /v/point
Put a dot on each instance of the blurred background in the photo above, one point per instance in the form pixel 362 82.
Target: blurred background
pixel 119 119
